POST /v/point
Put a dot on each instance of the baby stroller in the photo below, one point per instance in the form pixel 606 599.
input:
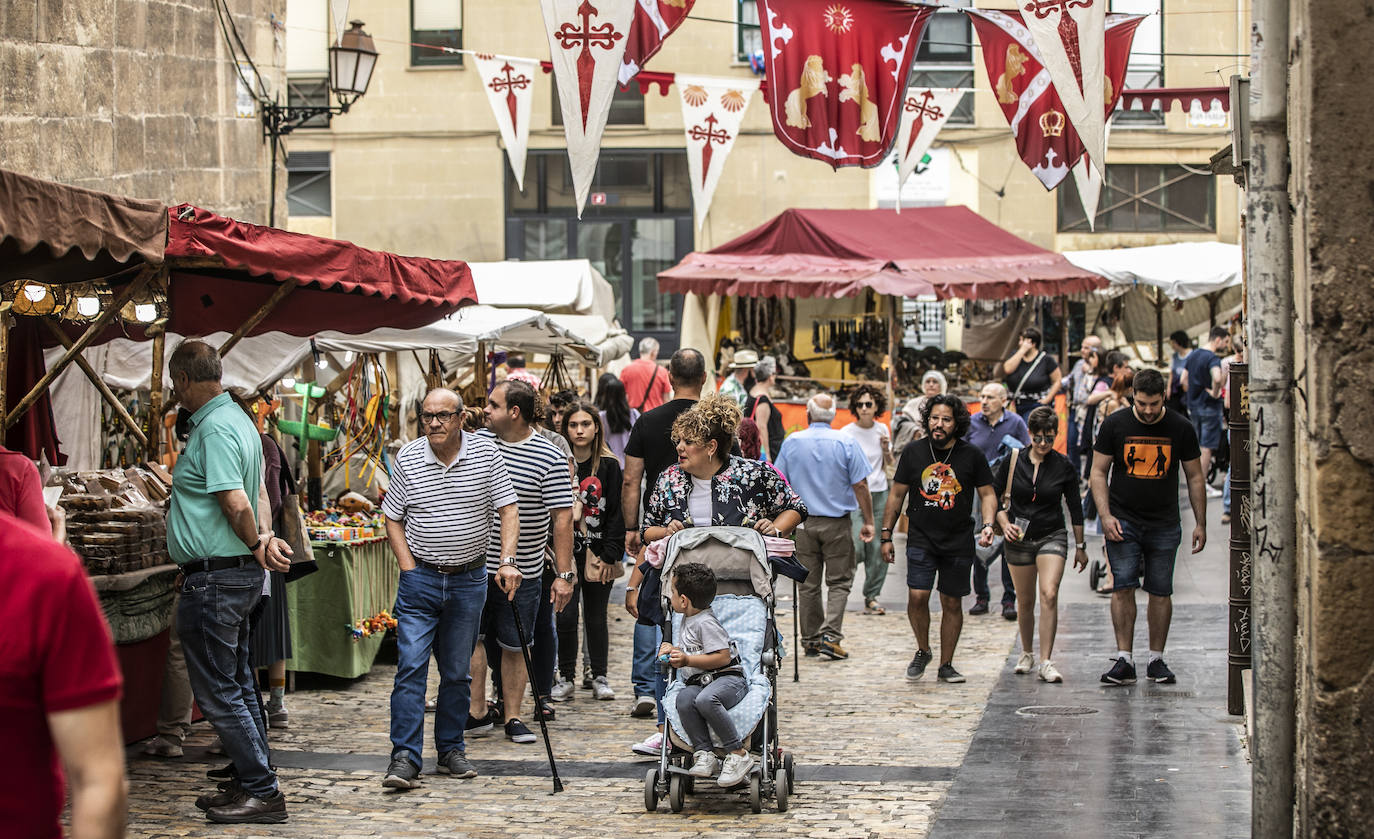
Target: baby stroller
pixel 744 606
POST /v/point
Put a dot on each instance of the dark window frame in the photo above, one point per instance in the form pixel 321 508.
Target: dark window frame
pixel 924 67
pixel 1147 200
pixel 309 91
pixel 743 29
pixel 424 56
pixel 304 169
pixel 624 97
pixel 1124 118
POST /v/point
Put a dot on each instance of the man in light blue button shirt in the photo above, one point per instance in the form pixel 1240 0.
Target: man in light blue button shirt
pixel 830 473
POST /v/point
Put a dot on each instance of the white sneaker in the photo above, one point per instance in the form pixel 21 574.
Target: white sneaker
pixel 1213 492
pixel 736 769
pixel 651 745
pixel 1024 664
pixel 644 707
pixel 163 746
pixel 1048 673
pixel 563 690
pixel 601 689
pixel 704 765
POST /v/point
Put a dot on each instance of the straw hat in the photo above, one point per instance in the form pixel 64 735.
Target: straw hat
pixel 744 358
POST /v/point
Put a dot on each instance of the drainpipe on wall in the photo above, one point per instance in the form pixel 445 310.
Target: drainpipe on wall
pixel 1273 512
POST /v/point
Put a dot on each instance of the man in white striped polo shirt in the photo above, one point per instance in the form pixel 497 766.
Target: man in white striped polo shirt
pixel 539 473
pixel 446 488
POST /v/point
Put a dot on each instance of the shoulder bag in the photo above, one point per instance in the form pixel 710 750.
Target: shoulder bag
pixel 1017 395
pixel 1006 492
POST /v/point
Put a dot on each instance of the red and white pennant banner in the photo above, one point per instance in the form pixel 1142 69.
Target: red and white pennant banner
pixel 924 112
pixel 654 21
pixel 712 110
pixel 509 85
pixel 1070 35
pixel 586 44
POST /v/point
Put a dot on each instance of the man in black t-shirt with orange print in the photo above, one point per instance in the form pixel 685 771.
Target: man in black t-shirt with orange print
pixel 1141 450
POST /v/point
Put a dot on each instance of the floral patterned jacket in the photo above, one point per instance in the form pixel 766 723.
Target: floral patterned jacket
pixel 742 493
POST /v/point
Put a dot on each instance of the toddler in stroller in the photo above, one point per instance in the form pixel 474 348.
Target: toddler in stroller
pixel 708 663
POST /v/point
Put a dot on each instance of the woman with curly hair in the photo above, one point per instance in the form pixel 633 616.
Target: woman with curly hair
pixel 709 487
pixel 874 438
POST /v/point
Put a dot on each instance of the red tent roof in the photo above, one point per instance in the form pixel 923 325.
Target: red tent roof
pixel 946 251
pixel 342 286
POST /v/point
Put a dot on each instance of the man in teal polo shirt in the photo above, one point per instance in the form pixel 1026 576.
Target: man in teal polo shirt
pixel 214 533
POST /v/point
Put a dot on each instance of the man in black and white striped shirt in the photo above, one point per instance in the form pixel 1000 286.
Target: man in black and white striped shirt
pixel 446 490
pixel 539 473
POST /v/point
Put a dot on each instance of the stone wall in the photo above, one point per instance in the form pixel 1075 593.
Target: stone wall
pixel 1332 258
pixel 136 97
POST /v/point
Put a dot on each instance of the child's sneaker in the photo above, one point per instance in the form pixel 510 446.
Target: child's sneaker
pixel 736 769
pixel 650 745
pixel 704 765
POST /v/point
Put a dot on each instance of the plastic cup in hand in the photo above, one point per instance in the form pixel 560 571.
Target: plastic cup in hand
pixel 1021 524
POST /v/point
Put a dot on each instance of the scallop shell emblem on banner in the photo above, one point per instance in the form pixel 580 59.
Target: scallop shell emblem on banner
pixel 694 95
pixel 732 101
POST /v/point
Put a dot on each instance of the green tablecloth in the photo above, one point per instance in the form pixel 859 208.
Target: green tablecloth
pixel 355 582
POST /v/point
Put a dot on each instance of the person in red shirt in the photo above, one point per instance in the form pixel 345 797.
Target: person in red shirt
pixel 59 693
pixel 646 384
pixel 21 490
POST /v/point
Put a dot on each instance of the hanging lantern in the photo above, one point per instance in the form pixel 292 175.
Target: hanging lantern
pixel 85 301
pixel 148 307
pixel 35 299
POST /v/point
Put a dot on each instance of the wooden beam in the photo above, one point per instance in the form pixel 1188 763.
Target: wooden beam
pixel 894 343
pixel 1160 301
pixel 192 262
pixel 110 398
pixel 155 397
pixel 263 311
pixel 92 331
pixel 6 321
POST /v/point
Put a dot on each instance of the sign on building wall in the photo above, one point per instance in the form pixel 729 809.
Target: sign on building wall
pixel 928 185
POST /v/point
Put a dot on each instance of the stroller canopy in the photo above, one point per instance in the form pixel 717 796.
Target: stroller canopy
pixel 737 556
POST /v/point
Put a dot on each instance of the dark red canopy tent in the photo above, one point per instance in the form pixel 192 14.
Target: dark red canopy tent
pixel 951 252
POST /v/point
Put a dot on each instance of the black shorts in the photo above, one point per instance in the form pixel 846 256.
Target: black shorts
pixel 923 567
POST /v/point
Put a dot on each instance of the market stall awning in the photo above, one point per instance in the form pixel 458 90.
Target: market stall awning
pixel 945 251
pixel 1183 270
pixel 223 271
pixel 560 286
pixel 87 234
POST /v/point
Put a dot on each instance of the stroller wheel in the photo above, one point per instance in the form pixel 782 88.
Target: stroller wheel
pixel 651 791
pixel 676 793
pixel 755 793
pixel 1095 572
pixel 782 787
pixel 791 768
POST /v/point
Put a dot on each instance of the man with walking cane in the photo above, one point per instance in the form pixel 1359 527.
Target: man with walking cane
pixel 445 489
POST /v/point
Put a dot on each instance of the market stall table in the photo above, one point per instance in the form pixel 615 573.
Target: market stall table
pixel 356 581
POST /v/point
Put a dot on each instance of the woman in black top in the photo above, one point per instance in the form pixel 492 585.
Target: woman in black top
pixel 1043 483
pixel 1032 375
pixel 598 546
pixel 759 408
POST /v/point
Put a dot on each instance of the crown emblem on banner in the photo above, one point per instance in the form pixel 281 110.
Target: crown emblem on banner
pixel 1052 123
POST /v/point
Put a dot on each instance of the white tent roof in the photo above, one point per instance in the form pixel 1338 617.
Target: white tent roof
pixel 1184 270
pixel 562 286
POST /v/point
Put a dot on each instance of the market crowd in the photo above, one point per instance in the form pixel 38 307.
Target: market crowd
pixel 512 523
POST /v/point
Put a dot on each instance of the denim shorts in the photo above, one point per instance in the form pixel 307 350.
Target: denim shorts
pixel 1147 552
pixel 497 618
pixel 923 567
pixel 1025 551
pixel 1207 423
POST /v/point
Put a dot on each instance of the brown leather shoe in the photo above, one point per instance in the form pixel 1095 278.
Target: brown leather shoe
pixel 251 810
pixel 229 793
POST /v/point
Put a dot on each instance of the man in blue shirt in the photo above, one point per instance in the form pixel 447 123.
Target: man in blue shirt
pixel 1202 378
pixel 987 430
pixel 830 473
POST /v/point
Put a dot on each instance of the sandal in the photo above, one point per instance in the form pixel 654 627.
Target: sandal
pixel 873 607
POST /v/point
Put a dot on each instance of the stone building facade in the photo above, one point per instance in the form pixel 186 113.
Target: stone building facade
pixel 138 98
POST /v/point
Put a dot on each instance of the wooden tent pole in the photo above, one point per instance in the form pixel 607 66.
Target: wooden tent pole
pixel 894 332
pixel 263 311
pixel 6 320
pixel 1160 300
pixel 92 331
pixel 155 396
pixel 110 398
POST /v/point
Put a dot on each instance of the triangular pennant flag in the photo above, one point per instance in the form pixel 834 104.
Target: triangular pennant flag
pixel 586 44
pixel 1089 182
pixel 509 85
pixel 1045 141
pixel 339 8
pixel 837 70
pixel 654 21
pixel 924 112
pixel 712 110
pixel 1070 36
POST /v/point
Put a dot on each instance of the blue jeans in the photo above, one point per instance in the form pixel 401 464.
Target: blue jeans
pixel 1226 487
pixel 645 673
pixel 1145 552
pixel 437 613
pixel 980 581
pixel 212 619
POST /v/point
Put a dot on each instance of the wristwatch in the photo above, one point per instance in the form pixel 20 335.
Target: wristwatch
pixel 507 560
pixel 253 547
pixel 567 576
pixel 986 527
pixel 1082 546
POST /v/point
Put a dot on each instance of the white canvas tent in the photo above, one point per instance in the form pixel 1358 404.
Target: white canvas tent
pixel 1183 271
pixel 555 286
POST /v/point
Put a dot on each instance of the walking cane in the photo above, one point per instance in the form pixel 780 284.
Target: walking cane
pixel 796 646
pixel 538 701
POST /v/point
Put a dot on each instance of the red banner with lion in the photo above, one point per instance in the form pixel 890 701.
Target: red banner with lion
pixel 837 70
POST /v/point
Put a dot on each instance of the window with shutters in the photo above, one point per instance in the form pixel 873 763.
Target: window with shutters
pixel 945 59
pixel 1143 198
pixel 748 35
pixel 307 57
pixel 308 190
pixel 1145 67
pixel 435 24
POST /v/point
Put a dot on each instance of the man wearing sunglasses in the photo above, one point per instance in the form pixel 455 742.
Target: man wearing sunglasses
pixel 994 430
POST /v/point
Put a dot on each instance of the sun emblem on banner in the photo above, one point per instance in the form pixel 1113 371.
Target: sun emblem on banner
pixel 732 101
pixel 694 95
pixel 839 19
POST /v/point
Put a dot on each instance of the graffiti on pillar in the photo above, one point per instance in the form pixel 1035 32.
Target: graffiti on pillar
pixel 1241 629
pixel 1266 550
pixel 1243 574
pixel 1245 399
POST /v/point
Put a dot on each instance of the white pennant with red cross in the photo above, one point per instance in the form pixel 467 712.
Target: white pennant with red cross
pixel 1089 183
pixel 924 112
pixel 1070 35
pixel 509 85
pixel 586 45
pixel 712 110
